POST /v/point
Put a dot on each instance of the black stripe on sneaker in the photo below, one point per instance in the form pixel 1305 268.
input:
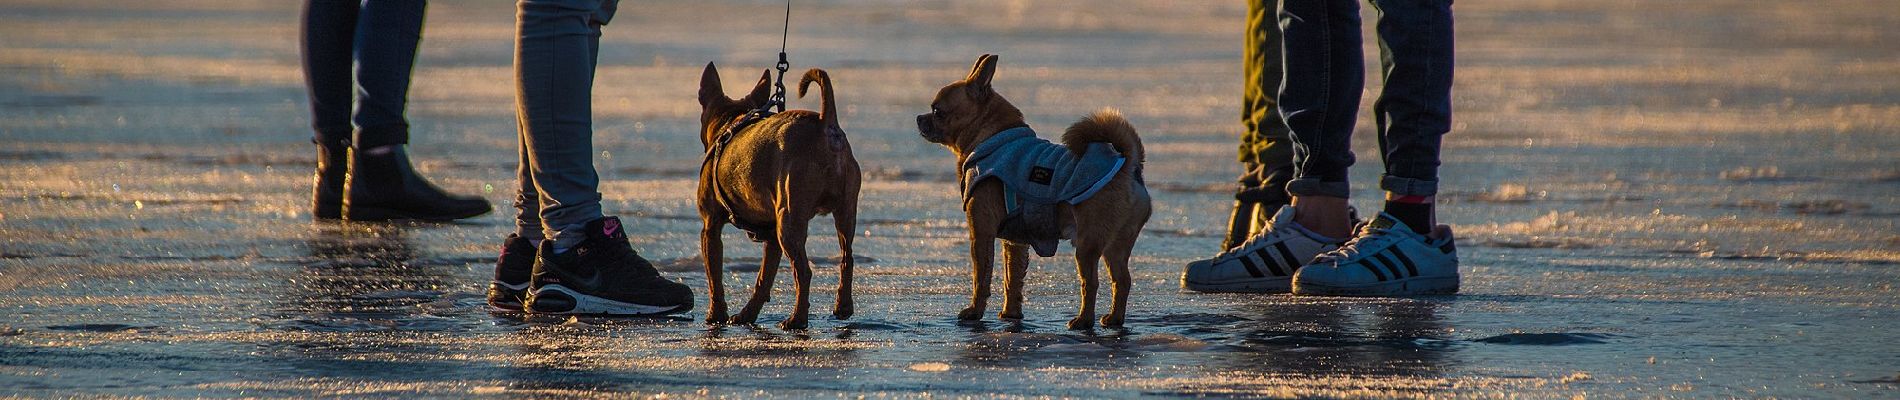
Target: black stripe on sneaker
pixel 1271 264
pixel 1387 262
pixel 1405 260
pixel 1287 255
pixel 1375 270
pixel 1251 269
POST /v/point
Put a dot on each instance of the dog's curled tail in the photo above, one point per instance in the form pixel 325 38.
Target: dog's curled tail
pixel 829 112
pixel 1107 126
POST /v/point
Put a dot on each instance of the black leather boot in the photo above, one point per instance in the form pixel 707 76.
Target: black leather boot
pixel 384 187
pixel 327 192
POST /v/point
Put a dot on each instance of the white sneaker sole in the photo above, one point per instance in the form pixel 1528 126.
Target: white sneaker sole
pixel 1262 285
pixel 1423 285
pixel 591 305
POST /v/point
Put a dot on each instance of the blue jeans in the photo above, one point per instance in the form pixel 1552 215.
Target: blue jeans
pixel 1325 71
pixel 556 47
pixel 366 49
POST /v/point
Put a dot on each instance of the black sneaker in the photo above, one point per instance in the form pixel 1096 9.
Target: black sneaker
pixel 602 275
pixel 512 272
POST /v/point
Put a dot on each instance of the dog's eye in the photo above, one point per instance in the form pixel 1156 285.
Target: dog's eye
pixel 933 110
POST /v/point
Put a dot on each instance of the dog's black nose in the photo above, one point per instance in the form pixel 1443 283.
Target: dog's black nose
pixel 923 126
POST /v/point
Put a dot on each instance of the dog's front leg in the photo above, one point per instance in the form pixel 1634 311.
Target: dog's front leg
pixel 982 259
pixel 713 251
pixel 762 287
pixel 1016 258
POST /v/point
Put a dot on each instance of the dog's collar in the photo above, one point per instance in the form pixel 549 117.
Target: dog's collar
pixel 726 135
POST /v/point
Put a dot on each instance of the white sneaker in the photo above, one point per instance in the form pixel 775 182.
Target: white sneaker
pixel 1263 264
pixel 1385 259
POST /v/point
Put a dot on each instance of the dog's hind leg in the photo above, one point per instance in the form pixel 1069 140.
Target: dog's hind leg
pixel 791 237
pixel 1117 260
pixel 1016 258
pixel 762 286
pixel 1087 255
pixel 846 221
pixel 712 250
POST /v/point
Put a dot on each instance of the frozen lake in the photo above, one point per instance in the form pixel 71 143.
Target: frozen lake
pixel 1677 199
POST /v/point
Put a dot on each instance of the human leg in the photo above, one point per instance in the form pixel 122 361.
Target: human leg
pixel 1402 251
pixel 554 61
pixel 382 183
pixel 585 264
pixel 326 44
pixel 1266 151
pixel 1414 106
pixel 1319 100
pixel 1263 247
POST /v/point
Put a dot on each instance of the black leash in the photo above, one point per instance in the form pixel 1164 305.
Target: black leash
pixel 773 105
pixel 778 86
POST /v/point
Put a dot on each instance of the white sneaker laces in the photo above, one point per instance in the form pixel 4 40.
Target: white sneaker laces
pixel 1367 236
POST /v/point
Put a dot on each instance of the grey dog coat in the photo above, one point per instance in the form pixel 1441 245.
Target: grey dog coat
pixel 1036 176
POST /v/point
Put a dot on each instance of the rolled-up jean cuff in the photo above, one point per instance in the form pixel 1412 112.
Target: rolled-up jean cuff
pixel 1408 186
pixel 381 135
pixel 1316 187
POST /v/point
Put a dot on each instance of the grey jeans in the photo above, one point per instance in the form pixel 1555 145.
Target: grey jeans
pixel 556 47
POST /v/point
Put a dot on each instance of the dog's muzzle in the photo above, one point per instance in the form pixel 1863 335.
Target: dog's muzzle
pixel 928 129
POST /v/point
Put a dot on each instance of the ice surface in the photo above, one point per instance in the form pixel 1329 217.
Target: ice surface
pixel 1654 199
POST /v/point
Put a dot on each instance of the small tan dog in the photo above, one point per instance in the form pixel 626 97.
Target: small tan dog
pixel 967 114
pixel 769 175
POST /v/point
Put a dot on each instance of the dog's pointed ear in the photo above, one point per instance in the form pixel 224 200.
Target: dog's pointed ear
pixel 981 73
pixel 709 88
pixel 761 91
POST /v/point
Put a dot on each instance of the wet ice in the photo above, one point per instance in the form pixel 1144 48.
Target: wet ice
pixel 1652 204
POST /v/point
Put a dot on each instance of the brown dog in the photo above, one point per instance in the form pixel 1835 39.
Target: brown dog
pixel 963 116
pixel 769 175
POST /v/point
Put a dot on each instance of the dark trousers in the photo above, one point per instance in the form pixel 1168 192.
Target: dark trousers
pixel 357 56
pixel 1266 150
pixel 1325 72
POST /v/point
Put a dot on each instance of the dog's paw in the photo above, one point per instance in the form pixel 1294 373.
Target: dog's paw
pixel 792 324
pixel 1112 320
pixel 843 311
pixel 1081 322
pixel 744 318
pixel 715 317
pixel 971 314
pixel 1017 315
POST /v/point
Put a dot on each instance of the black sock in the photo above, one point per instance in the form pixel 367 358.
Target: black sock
pixel 1418 216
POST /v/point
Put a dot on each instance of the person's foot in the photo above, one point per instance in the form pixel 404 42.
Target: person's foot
pixel 1385 259
pixel 512 271
pixel 327 190
pixel 383 186
pixel 602 275
pixel 1263 264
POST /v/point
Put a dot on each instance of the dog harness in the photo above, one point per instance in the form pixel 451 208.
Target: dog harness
pixel 1037 176
pixel 754 231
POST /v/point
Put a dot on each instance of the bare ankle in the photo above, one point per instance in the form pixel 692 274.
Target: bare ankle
pixel 1329 216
